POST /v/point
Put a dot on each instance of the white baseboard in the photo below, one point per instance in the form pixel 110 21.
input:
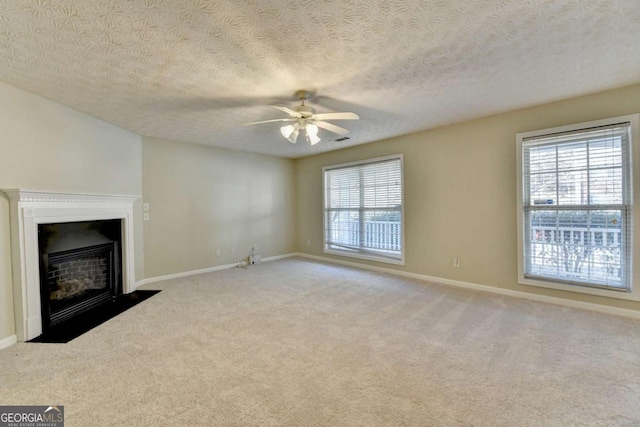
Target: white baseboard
pixel 184 274
pixel 8 341
pixel 205 270
pixel 635 314
pixel 276 257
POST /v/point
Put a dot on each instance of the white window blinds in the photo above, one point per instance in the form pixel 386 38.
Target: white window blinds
pixel 363 209
pixel 577 207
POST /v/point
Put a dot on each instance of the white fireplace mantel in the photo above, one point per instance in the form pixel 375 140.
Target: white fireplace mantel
pixel 28 209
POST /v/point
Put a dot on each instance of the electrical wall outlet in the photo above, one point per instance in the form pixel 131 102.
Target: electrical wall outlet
pixel 233 251
pixel 217 252
pixel 456 262
pixel 255 259
pixel 145 216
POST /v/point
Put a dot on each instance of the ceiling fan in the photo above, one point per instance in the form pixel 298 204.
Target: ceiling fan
pixel 305 119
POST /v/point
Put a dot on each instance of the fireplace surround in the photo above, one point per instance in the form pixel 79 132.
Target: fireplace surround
pixel 28 210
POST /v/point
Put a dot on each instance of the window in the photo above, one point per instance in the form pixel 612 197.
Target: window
pixel 363 215
pixel 576 207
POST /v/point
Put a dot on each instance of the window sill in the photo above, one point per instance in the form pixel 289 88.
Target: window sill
pixel 626 295
pixel 365 257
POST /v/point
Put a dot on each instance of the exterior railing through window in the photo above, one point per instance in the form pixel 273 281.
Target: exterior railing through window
pixel 580 252
pixel 378 235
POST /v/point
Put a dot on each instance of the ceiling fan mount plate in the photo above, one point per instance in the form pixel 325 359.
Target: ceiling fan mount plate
pixel 303 95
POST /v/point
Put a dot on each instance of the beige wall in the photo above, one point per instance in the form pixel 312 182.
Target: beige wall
pixel 460 191
pixel 204 198
pixel 46 146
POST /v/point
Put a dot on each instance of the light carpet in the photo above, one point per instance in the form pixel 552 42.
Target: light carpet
pixel 295 342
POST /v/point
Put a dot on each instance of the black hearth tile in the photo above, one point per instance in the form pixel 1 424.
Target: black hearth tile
pixel 73 328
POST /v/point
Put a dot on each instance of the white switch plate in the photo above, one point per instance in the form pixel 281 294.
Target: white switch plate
pixel 217 252
pixel 145 207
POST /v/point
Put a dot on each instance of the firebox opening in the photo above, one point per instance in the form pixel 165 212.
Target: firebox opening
pixel 80 268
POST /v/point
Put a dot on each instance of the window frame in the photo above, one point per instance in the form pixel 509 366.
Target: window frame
pixel 363 256
pixel 634 165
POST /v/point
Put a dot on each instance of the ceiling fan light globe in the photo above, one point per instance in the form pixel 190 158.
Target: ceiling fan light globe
pixel 286 131
pixel 312 129
pixel 294 136
pixel 312 134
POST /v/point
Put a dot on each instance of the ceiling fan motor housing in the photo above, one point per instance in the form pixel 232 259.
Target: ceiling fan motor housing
pixel 305 111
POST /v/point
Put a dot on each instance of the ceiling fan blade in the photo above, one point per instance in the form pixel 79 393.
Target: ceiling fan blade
pixel 289 111
pixel 336 116
pixel 334 104
pixel 270 121
pixel 331 127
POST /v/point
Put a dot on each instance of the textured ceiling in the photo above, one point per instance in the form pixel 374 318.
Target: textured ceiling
pixel 196 70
